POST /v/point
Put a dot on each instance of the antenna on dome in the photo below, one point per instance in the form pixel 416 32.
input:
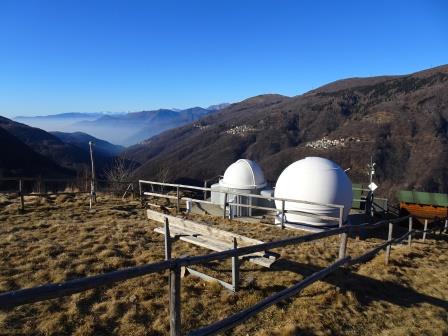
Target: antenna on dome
pixel 371 167
pixel 372 185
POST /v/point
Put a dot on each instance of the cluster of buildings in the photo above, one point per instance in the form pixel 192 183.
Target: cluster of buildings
pixel 201 127
pixel 240 130
pixel 325 143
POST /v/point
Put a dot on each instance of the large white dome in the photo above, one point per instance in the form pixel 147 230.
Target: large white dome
pixel 243 174
pixel 314 179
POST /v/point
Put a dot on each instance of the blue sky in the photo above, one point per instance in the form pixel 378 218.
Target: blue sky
pixel 60 56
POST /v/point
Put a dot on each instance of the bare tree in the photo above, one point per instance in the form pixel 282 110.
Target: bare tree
pixel 162 175
pixel 119 174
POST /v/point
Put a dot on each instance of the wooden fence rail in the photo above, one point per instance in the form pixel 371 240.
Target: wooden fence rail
pixel 29 295
pixel 245 314
pixel 42 190
pixel 51 291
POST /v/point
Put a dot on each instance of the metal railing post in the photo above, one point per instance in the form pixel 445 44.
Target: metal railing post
pixel 235 268
pixel 205 191
pixel 446 225
pixel 178 199
pixel 225 205
pixel 231 211
pixel 425 227
pixel 389 247
pixel 410 234
pixel 341 216
pixel 283 215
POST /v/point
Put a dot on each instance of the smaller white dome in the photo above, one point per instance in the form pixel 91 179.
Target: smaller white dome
pixel 243 174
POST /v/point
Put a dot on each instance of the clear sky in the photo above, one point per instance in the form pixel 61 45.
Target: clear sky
pixel 73 55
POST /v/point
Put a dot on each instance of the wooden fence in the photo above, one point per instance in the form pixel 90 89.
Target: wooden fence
pixel 40 186
pixel 175 265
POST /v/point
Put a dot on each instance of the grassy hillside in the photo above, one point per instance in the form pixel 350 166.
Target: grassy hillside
pixel 58 239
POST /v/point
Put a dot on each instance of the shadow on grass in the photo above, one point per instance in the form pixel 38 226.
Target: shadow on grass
pixel 364 288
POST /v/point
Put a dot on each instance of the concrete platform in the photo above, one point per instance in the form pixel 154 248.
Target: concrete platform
pixel 355 217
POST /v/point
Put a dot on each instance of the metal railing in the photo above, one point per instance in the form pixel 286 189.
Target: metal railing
pixel 227 205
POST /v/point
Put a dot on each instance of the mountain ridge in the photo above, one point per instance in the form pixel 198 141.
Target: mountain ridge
pixel 123 128
pixel 393 118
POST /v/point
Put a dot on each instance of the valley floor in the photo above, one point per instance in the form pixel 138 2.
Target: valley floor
pixel 58 239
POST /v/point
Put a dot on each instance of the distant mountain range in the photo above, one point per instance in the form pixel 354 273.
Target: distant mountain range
pixel 402 121
pixel 67 115
pixel 121 128
pixel 31 151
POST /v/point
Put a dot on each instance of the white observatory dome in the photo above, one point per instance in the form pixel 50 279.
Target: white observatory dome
pixel 243 174
pixel 314 179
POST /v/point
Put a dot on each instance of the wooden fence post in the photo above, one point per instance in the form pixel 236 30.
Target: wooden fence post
pixel 167 240
pixel 44 186
pixel 205 191
pixel 343 246
pixel 410 234
pixel 93 179
pixel 22 202
pixel 425 227
pixel 283 215
pixel 174 283
pixel 235 268
pixel 389 247
pixel 225 205
pixel 344 236
pixel 39 185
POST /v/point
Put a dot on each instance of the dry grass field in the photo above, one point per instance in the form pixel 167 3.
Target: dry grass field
pixel 58 239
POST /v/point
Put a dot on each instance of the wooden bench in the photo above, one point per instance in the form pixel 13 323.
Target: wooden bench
pixel 211 238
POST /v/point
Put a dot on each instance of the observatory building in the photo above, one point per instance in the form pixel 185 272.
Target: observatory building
pixel 318 180
pixel 241 177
